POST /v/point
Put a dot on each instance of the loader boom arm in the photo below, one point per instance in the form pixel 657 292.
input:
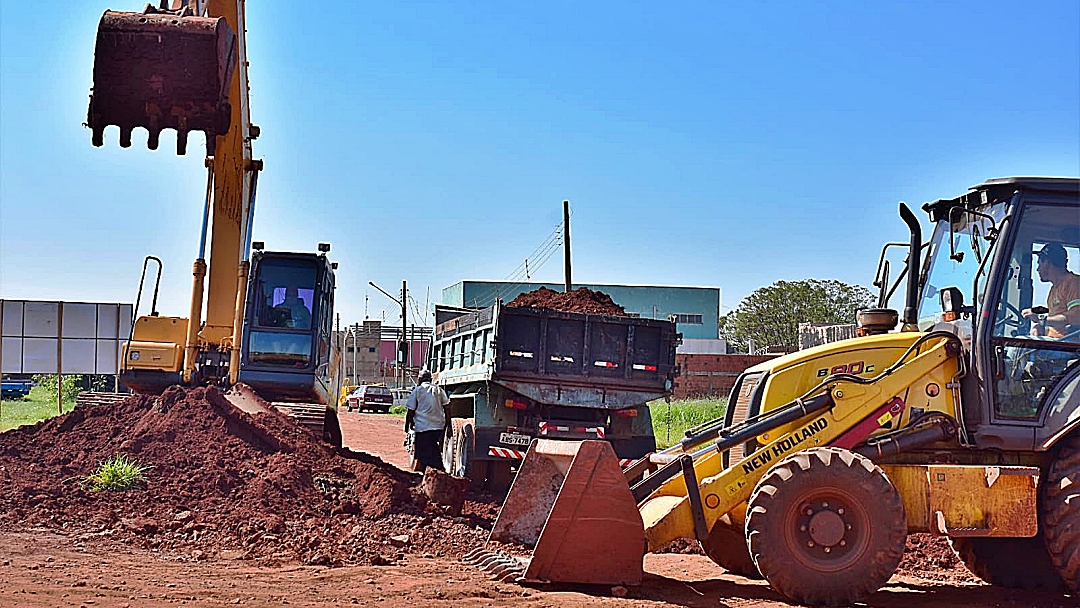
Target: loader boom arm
pixel 857 410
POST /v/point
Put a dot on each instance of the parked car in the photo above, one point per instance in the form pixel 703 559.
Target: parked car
pixel 401 395
pixel 370 397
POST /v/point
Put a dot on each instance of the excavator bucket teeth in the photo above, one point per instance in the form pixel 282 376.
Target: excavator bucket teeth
pixel 571 505
pixel 162 71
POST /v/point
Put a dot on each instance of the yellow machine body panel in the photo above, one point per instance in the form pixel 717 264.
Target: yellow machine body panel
pixel 960 500
pixel 792 375
pixel 156 343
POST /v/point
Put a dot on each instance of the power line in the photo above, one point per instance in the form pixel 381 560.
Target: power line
pixel 544 251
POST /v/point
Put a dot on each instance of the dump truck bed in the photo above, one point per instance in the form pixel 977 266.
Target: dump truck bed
pixel 558 358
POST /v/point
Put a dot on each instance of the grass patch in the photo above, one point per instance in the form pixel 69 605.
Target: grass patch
pixel 39 405
pixel 671 419
pixel 118 474
pixel 397 410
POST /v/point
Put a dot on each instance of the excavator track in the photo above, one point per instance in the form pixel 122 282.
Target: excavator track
pixel 309 416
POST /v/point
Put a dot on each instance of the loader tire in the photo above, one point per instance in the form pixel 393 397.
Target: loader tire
pixel 1014 563
pixel 825 526
pixel 1060 512
pixel 726 545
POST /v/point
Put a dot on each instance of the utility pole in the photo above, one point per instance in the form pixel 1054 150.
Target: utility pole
pixel 566 244
pixel 404 332
pixel 341 360
pixel 399 358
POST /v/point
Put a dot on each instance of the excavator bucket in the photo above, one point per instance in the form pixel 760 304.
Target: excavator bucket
pixel 162 70
pixel 571 505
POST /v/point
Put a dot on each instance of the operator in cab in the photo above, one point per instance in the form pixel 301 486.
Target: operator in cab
pixel 1063 301
pixel 294 310
pixel 425 414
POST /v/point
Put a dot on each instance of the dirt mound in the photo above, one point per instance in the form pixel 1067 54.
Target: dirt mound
pixel 931 557
pixel 258 486
pixel 582 300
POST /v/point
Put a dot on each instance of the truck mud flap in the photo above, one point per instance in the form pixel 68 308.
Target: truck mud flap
pixel 161 70
pixel 570 504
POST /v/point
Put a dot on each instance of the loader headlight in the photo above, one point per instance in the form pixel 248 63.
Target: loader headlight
pixel 134 355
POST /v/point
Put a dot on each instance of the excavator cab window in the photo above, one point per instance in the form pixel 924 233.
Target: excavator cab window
pixel 286 301
pixel 1033 355
pixel 286 296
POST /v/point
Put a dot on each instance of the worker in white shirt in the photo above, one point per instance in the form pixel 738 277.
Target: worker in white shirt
pixel 426 415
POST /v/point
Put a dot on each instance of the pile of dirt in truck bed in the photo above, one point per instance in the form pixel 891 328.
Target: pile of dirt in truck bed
pixel 582 299
pixel 223 482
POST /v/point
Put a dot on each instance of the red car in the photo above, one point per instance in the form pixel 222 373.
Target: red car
pixel 370 397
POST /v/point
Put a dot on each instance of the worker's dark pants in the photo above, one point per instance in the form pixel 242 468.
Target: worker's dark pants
pixel 429 449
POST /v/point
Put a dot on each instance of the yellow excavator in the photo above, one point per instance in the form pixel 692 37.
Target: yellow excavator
pixel 965 423
pixel 183 66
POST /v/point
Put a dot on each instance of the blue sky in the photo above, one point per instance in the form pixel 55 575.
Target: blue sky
pixel 715 144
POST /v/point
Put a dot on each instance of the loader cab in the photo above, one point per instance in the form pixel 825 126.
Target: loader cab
pixel 986 245
pixel 287 327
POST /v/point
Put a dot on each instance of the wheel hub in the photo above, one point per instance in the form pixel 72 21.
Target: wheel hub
pixel 826 528
pixel 827 533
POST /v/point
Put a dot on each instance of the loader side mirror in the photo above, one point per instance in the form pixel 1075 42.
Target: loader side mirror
pixel 952 303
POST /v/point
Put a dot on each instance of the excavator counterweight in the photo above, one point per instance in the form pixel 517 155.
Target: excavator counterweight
pixel 162 70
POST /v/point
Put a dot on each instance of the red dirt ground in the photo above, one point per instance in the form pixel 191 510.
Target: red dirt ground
pixel 582 299
pixel 251 510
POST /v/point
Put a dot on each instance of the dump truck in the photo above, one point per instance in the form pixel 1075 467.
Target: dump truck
pixel 514 374
pixel 964 423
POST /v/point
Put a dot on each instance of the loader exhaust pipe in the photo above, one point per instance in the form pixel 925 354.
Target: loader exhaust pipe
pixel 911 302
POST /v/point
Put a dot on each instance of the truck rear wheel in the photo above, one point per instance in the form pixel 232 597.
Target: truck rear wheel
pixel 1060 512
pixel 1015 563
pixel 726 546
pixel 825 526
pixel 458 449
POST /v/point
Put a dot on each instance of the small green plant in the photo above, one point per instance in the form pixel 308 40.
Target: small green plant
pixel 397 410
pixel 118 474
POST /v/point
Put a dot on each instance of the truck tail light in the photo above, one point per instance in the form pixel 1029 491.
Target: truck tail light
pixel 630 412
pixel 516 404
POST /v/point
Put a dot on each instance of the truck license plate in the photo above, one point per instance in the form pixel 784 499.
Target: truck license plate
pixel 514 439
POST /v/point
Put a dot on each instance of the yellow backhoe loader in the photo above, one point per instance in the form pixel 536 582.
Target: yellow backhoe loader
pixel 965 424
pixel 268 314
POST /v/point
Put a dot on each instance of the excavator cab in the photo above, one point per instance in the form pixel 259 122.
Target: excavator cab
pixel 287 327
pixel 163 68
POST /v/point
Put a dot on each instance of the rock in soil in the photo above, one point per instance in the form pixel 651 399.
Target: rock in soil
pixel 222 482
pixel 445 490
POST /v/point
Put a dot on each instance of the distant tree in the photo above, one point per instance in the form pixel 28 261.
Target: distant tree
pixel 770 316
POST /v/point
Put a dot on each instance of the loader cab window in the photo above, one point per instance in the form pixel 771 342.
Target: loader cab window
pixel 955 265
pixel 1031 354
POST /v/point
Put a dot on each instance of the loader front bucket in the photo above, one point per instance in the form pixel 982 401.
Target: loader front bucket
pixel 162 71
pixel 571 504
